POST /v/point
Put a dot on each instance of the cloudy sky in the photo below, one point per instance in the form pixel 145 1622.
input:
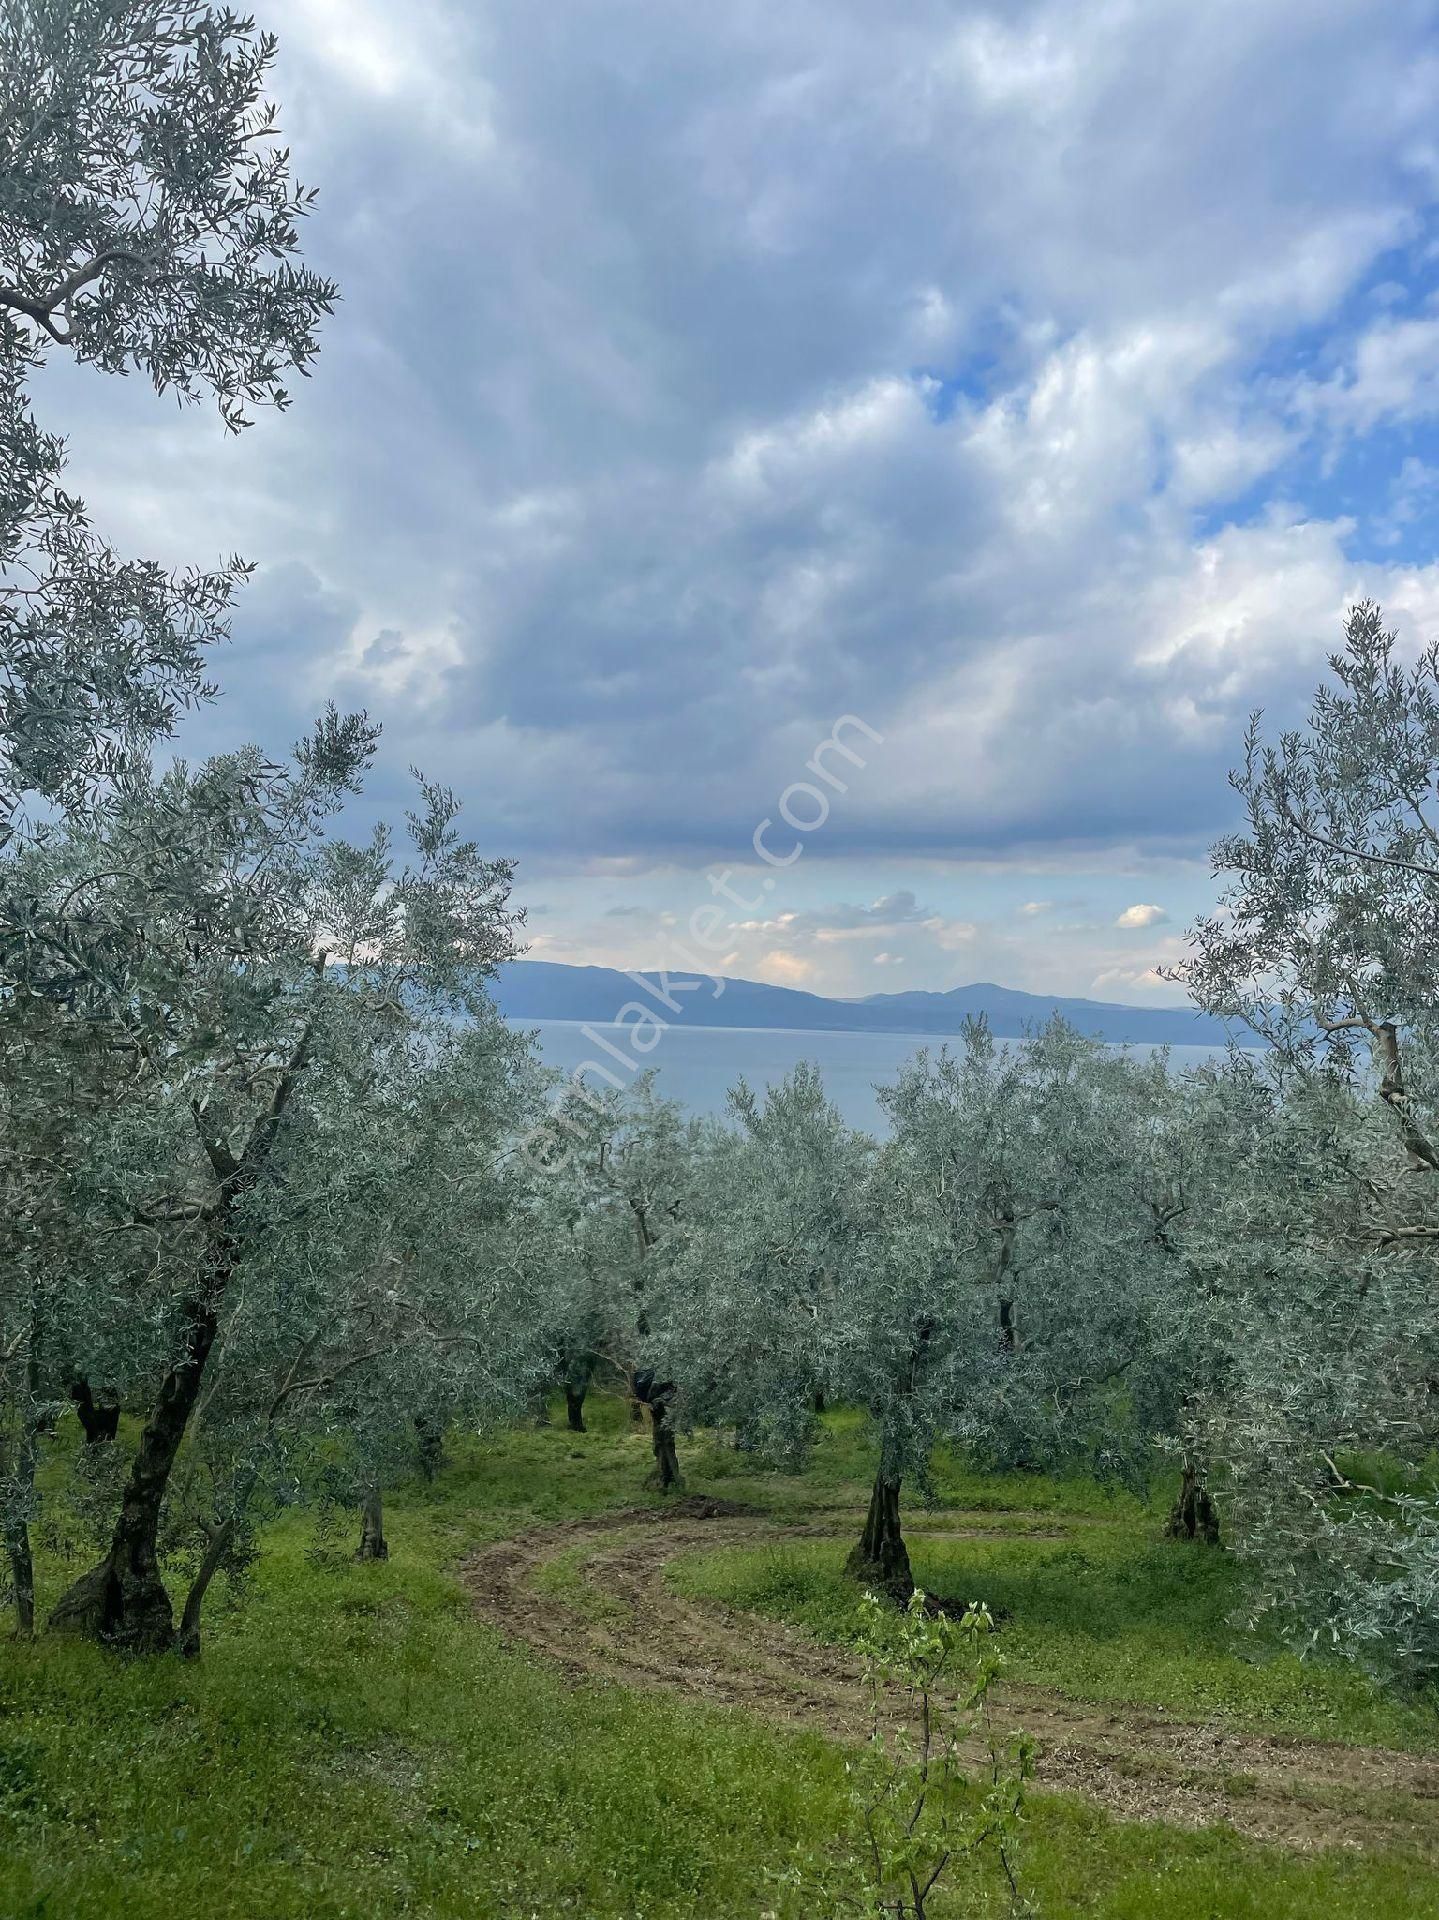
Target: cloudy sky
pixel 1035 384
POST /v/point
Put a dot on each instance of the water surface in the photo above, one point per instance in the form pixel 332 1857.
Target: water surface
pixel 698 1065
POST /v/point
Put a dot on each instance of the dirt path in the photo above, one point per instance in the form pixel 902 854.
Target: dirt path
pixel 1136 1761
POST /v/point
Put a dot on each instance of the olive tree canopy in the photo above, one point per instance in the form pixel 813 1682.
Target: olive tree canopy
pixel 148 223
pixel 1327 942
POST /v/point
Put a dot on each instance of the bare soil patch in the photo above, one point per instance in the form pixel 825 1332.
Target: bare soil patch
pixel 1139 1763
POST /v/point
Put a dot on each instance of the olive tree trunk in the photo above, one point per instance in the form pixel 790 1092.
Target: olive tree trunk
pixel 187 1641
pixel 575 1408
pixel 17 1526
pixel 881 1558
pixel 18 1504
pixel 123 1600
pixel 22 1573
pixel 99 1418
pixel 373 1544
pixel 1193 1515
pixel 666 1475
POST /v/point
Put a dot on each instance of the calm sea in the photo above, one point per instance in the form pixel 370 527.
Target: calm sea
pixel 698 1065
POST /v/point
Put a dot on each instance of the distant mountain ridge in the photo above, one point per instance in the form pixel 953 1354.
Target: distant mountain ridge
pixel 548 990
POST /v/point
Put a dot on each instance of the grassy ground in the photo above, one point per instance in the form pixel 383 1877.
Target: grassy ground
pixel 1105 1616
pixel 354 1744
pixel 1112 1611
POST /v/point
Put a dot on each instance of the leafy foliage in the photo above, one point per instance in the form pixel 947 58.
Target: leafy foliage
pixel 238 1112
pixel 916 1822
pixel 1326 944
pixel 148 221
pixel 148 218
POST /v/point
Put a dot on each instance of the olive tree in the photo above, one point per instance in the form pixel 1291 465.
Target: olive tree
pixel 565 1239
pixel 1325 942
pixel 918 1318
pixel 1198 1142
pixel 148 223
pixel 779 1236
pixel 564 1251
pixel 626 1186
pixel 990 1309
pixel 274 941
pixel 380 1280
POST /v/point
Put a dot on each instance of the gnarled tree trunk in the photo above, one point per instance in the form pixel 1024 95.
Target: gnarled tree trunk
pixel 666 1475
pixel 575 1408
pixel 1193 1515
pixel 881 1559
pixel 100 1418
pixel 654 1395
pixel 373 1545
pixel 123 1599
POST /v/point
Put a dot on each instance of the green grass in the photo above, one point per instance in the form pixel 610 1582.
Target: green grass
pixel 841 1467
pixel 562 1579
pixel 353 1743
pixel 1110 1614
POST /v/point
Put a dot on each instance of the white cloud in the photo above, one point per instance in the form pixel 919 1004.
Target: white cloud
pixel 703 375
pixel 1218 458
pixel 1135 979
pixel 1411 498
pixel 420 60
pixel 1141 915
pixel 786 969
pixel 1393 374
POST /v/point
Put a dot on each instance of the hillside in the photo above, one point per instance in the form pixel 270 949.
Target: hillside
pixel 547 990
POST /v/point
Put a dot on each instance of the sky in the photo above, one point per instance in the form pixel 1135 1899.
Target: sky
pixel 1030 388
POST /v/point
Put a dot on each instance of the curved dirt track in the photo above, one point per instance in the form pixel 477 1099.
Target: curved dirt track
pixel 1136 1761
